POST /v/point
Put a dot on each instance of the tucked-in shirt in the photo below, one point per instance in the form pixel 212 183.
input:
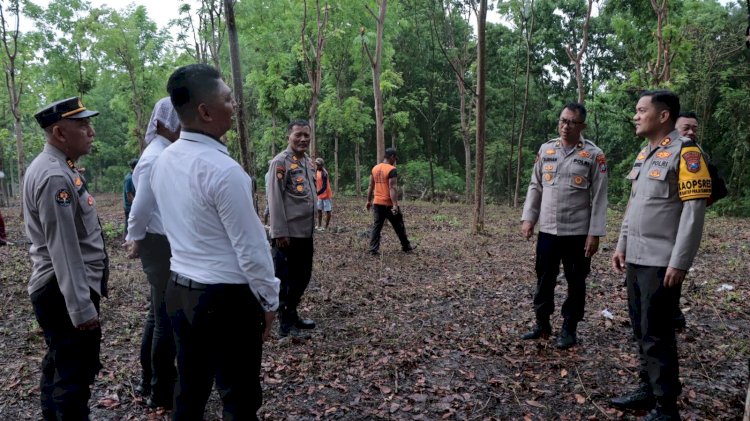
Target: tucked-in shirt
pixel 663 223
pixel 127 187
pixel 381 174
pixel 205 199
pixel 291 196
pixel 144 215
pixel 568 190
pixel 63 226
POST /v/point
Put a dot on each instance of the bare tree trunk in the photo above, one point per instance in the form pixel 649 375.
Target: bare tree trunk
pixel 14 91
pixel 357 170
pixel 273 131
pixel 247 157
pixel 660 70
pixel 522 129
pixel 336 163
pixel 478 225
pixel 313 67
pixel 375 63
pixel 576 56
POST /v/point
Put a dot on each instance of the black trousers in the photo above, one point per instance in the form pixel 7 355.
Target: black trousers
pixel 293 267
pixel 380 214
pixel 72 361
pixel 651 307
pixel 550 250
pixel 218 332
pixel 155 254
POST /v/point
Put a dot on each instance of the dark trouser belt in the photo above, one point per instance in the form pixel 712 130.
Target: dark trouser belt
pixel 186 282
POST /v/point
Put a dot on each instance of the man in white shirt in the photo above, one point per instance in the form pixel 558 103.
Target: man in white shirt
pixel 146 239
pixel 222 295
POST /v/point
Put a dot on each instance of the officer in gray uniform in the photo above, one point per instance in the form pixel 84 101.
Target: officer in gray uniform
pixel 291 202
pixel 69 262
pixel 659 238
pixel 568 197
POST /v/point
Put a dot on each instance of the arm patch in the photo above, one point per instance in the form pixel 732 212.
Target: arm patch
pixel 694 180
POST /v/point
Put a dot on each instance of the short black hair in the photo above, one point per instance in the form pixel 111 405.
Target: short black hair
pixel 688 114
pixel 190 85
pixel 299 122
pixel 133 162
pixel 665 99
pixel 390 152
pixel 576 107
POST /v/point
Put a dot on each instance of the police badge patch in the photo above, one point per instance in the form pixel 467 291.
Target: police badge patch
pixel 62 197
pixel 693 161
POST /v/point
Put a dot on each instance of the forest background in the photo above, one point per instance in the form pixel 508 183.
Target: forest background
pixel 318 59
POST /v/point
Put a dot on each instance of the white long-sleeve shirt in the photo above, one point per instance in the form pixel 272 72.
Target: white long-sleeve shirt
pixel 144 213
pixel 206 202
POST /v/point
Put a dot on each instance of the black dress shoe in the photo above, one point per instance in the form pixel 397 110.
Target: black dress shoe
pixel 539 331
pixel 304 324
pixel 153 404
pixel 641 399
pixel 293 331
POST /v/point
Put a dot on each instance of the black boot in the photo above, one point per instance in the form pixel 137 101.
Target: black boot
pixel 641 399
pixel 567 336
pixel 542 330
pixel 666 410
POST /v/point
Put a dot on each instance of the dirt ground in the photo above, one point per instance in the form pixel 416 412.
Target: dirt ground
pixel 423 336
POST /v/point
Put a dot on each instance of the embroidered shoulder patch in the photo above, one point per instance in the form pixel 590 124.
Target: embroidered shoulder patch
pixel 694 180
pixel 666 142
pixel 90 200
pixel 280 172
pixel 62 197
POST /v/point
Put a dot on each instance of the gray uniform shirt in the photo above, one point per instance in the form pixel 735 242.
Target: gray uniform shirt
pixel 568 191
pixel 291 196
pixel 63 226
pixel 659 228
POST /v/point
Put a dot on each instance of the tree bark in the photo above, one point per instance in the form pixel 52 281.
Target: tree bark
pixel 478 225
pixel 313 67
pixel 247 157
pixel 357 170
pixel 577 56
pixel 522 129
pixel 375 63
pixel 10 47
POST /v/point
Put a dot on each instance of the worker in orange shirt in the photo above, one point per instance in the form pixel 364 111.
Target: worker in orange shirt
pixel 323 186
pixel 382 197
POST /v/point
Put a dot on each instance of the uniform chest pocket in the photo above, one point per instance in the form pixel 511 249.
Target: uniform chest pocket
pixel 297 183
pixel 89 221
pixel 655 183
pixel 579 176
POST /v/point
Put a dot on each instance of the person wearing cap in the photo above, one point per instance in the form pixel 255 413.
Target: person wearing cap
pixel 69 262
pixel 382 198
pixel 323 187
pixel 222 295
pixel 128 192
pixel 146 239
pixel 567 195
pixel 291 200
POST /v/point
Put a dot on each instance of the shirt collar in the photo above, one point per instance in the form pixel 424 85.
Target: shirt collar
pixel 291 152
pixel 204 139
pixel 57 153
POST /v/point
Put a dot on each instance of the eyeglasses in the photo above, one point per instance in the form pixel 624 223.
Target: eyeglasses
pixel 571 123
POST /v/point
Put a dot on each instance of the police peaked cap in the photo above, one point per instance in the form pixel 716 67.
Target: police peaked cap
pixel 66 108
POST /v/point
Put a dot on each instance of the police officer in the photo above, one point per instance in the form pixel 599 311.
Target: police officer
pixel 568 196
pixel 291 202
pixel 659 238
pixel 69 263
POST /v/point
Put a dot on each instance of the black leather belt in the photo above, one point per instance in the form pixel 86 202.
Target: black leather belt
pixel 186 282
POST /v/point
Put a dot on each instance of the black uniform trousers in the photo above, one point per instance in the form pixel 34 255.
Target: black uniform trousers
pixel 380 214
pixel 293 267
pixel 550 250
pixel 651 307
pixel 155 254
pixel 72 361
pixel 147 340
pixel 218 332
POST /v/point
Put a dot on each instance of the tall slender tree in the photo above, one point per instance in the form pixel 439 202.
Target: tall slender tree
pixel 478 225
pixel 576 56
pixel 376 64
pixel 312 54
pixel 10 35
pixel 247 155
pixel 528 20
